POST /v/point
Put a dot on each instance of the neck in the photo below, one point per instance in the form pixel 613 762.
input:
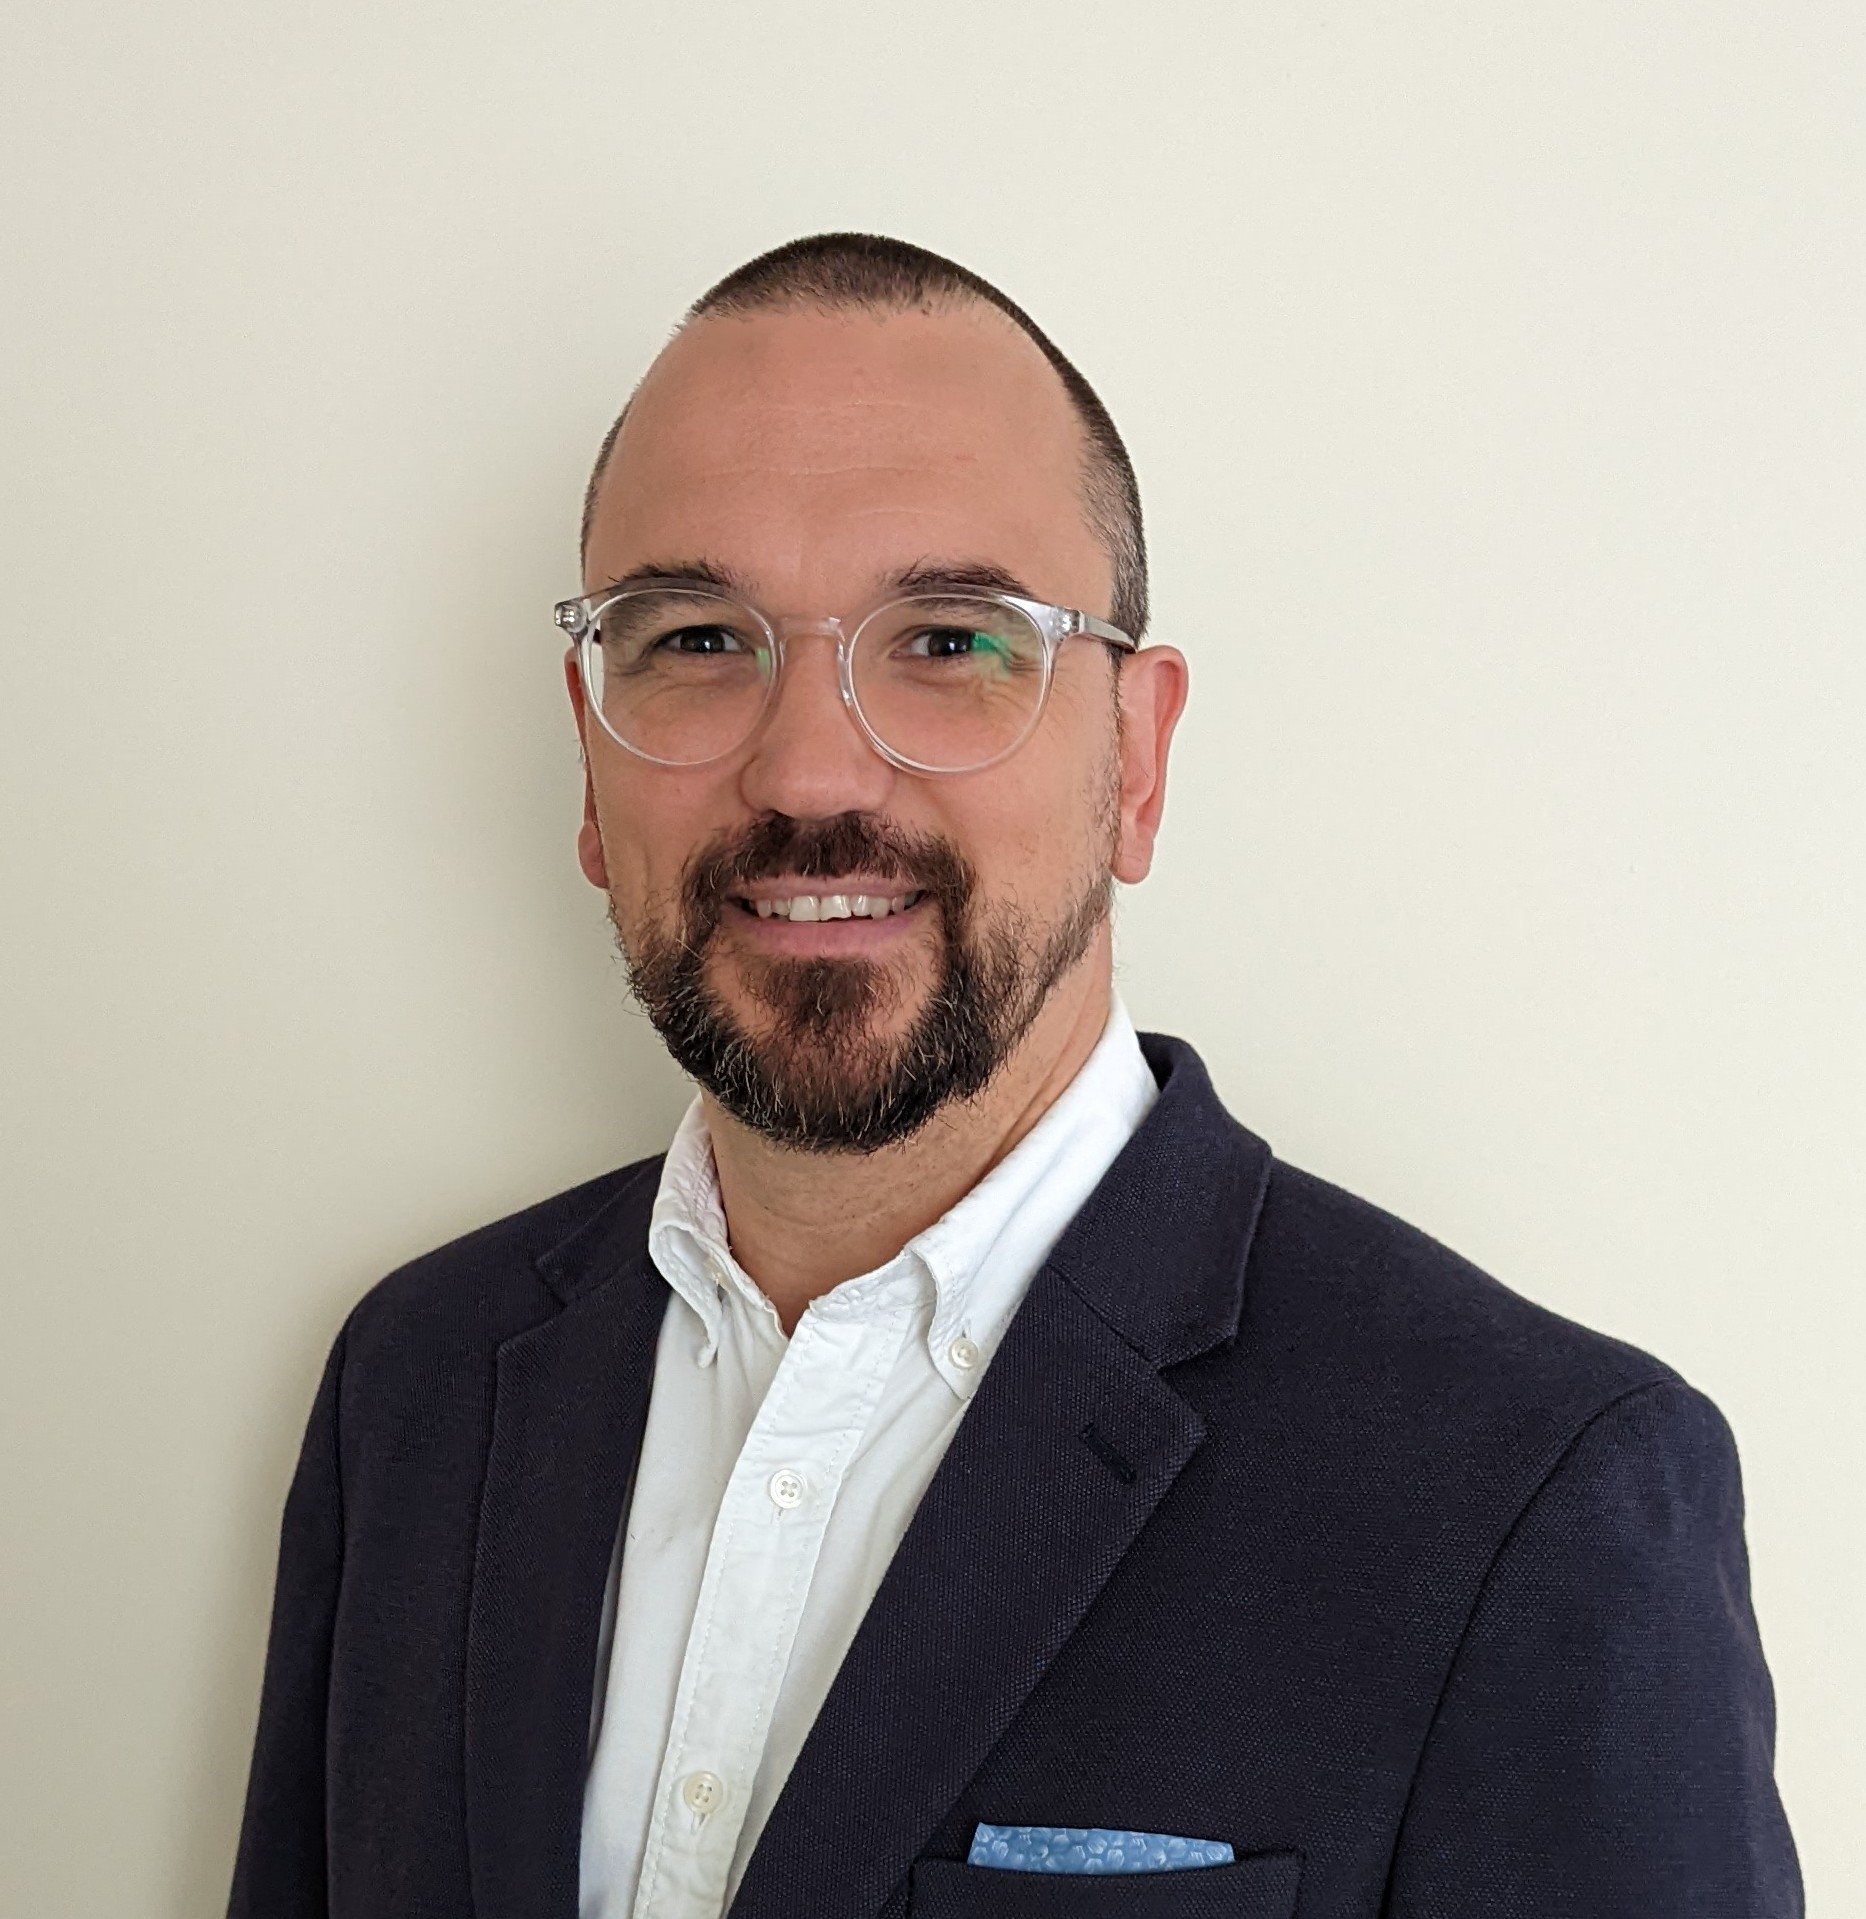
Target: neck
pixel 801 1223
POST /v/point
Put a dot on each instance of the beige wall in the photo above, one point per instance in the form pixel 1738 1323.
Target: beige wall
pixel 1495 379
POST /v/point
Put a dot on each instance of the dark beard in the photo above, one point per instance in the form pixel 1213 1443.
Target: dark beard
pixel 821 1080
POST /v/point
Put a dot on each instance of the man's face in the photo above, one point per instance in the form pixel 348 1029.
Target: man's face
pixel 815 460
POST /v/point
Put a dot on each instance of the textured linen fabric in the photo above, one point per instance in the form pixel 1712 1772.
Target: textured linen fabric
pixel 1273 1522
pixel 777 1476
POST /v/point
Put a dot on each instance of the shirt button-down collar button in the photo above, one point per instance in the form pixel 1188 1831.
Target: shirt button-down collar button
pixel 963 1353
pixel 785 1487
pixel 702 1792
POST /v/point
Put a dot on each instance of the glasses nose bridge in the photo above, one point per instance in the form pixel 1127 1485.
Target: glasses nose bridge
pixel 797 627
pixel 830 628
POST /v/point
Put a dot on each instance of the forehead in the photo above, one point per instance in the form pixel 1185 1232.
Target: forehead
pixel 811 451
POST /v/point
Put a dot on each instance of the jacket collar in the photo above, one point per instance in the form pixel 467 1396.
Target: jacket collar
pixel 1190 1183
pixel 610 1241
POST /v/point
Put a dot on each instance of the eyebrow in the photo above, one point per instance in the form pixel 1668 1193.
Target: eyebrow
pixel 959 576
pixel 923 576
pixel 706 573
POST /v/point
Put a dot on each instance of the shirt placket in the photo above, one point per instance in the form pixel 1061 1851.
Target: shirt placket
pixel 763 1554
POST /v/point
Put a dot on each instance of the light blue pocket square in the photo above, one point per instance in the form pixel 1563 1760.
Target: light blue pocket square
pixel 1083 1849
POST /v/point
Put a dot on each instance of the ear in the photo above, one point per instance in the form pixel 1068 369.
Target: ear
pixel 589 834
pixel 1153 695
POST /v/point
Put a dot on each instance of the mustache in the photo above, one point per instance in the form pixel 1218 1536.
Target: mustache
pixel 846 843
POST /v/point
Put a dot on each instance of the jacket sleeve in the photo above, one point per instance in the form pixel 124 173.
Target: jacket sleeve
pixel 279 1872
pixel 1604 1744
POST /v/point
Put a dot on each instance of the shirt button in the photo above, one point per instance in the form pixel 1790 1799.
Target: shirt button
pixel 963 1354
pixel 785 1488
pixel 702 1792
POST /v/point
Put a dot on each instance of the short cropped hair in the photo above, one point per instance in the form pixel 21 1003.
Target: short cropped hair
pixel 855 271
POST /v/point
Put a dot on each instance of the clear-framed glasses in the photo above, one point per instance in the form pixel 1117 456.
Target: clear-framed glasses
pixel 940 681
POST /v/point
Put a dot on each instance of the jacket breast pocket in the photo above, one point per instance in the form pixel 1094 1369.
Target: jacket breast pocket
pixel 1261 1885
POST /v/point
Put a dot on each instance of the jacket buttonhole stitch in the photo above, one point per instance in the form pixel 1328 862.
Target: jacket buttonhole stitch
pixel 1094 1440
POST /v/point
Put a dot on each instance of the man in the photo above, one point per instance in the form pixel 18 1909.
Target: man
pixel 969 1475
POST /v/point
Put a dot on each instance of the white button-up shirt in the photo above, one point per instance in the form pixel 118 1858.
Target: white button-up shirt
pixel 776 1478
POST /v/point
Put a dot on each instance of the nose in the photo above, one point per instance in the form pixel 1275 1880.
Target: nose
pixel 811 759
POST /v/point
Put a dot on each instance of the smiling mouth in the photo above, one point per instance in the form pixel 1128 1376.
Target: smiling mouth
pixel 809 907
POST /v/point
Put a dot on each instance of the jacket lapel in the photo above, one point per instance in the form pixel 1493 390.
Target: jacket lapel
pixel 1071 1441
pixel 569 1409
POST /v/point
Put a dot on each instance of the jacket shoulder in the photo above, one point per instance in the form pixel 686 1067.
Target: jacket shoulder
pixel 1411 1333
pixel 495 1280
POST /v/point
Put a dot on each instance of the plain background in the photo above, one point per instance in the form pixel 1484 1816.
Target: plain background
pixel 1495 377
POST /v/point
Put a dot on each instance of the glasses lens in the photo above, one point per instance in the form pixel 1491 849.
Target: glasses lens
pixel 679 676
pixel 950 682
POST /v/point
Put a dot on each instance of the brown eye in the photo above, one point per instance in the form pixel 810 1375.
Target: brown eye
pixel 948 643
pixel 701 640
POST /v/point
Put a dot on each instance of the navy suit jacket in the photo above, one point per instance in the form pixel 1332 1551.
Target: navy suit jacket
pixel 1272 1522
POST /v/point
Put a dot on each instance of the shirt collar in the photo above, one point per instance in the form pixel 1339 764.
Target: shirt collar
pixel 977 1259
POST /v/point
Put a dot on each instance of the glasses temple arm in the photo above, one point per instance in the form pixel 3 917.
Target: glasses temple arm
pixel 1091 628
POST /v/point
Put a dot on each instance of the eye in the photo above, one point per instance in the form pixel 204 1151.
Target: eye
pixel 952 643
pixel 700 641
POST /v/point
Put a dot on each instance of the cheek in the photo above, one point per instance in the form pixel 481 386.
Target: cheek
pixel 1036 828
pixel 651 822
pixel 1080 764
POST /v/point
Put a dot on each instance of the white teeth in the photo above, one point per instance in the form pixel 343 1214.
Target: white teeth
pixel 834 906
